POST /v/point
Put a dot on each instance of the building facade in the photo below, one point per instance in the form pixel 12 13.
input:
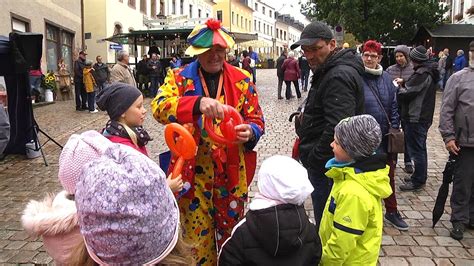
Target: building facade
pixel 59 21
pixel 236 15
pixel 264 25
pixel 288 31
pixel 460 11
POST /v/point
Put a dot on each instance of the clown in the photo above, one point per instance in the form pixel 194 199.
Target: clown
pixel 216 180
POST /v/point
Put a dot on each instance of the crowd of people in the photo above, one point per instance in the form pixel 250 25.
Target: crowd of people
pixel 120 207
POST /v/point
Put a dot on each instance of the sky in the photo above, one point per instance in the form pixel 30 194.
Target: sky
pixel 288 7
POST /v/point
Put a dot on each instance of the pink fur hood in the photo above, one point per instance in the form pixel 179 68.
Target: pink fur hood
pixel 55 219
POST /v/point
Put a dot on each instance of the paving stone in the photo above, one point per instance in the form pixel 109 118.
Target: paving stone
pixel 404 240
pixel 394 251
pixel 387 241
pixel 420 261
pixel 468 242
pixel 443 262
pixel 23 256
pixel 441 252
pixel 461 253
pixel 21 235
pixel 425 240
pixel 16 244
pixel 42 258
pixel 447 241
pixel 413 214
pixel 462 262
pixel 421 251
pixel 32 246
pixel 5 255
pixel 391 231
pixel 428 231
pixel 393 261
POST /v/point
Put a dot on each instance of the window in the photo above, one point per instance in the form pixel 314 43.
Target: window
pixel 237 19
pixel 181 7
pixel 19 25
pixel 271 30
pixel 173 7
pixel 143 6
pixel 131 3
pixel 190 11
pixel 255 24
pixel 263 10
pixel 199 13
pixel 162 7
pixel 207 15
pixel 59 44
pixel 270 13
pixel 242 22
pixel 284 35
pixel 219 15
pixel 232 17
pixel 264 29
pixel 246 21
pixel 259 29
pixel 256 7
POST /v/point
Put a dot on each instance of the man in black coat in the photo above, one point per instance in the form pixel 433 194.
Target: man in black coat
pixel 336 93
pixel 417 97
pixel 101 73
pixel 280 72
pixel 79 88
pixel 304 68
pixel 142 74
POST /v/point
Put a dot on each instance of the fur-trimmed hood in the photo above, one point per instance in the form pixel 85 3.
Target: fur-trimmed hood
pixel 51 216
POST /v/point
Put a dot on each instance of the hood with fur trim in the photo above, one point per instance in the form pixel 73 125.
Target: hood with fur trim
pixel 51 216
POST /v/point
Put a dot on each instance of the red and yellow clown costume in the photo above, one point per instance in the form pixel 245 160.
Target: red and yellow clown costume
pixel 218 178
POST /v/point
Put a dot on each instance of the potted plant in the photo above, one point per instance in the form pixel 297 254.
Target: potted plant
pixel 49 86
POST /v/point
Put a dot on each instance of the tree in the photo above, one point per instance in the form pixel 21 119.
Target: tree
pixel 393 22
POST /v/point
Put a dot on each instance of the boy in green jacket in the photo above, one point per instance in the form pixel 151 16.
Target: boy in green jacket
pixel 351 227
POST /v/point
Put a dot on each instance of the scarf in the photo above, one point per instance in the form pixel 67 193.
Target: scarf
pixel 376 72
pixel 115 128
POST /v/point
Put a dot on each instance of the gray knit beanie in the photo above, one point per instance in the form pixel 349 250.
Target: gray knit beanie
pixel 116 98
pixel 402 49
pixel 359 136
pixel 419 54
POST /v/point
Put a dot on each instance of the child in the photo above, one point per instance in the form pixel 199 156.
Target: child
pixel 89 84
pixel 351 227
pixel 127 214
pixel 276 230
pixel 55 218
pixel 124 105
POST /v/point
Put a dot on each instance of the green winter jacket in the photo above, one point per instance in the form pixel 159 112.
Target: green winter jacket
pixel 351 227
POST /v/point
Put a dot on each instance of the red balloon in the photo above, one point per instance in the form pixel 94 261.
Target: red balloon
pixel 228 136
pixel 182 145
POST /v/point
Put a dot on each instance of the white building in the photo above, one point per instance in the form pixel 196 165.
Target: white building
pixel 264 25
pixel 460 11
pixel 289 31
pixel 189 8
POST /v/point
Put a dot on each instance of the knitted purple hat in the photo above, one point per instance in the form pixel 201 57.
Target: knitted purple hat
pixel 127 213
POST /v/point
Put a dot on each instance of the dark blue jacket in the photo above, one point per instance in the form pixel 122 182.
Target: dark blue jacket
pixel 388 96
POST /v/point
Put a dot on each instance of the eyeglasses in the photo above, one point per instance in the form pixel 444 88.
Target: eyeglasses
pixel 370 56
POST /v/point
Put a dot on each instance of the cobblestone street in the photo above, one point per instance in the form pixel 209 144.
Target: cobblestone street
pixel 22 179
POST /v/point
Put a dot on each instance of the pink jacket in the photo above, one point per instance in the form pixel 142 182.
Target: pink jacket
pixel 291 69
pixel 55 219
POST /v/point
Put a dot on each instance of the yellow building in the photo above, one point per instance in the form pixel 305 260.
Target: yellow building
pixel 235 15
pixel 105 18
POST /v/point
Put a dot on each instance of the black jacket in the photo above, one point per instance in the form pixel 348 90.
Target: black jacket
pixel 337 92
pixel 101 73
pixel 158 71
pixel 280 235
pixel 418 95
pixel 142 67
pixel 304 65
pixel 79 65
pixel 280 61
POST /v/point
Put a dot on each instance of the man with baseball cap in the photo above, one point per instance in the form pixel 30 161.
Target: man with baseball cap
pixel 336 93
pixel 79 88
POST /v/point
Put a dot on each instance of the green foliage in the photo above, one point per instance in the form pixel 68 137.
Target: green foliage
pixel 391 21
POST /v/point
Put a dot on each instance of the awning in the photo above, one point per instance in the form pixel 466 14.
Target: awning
pixel 144 37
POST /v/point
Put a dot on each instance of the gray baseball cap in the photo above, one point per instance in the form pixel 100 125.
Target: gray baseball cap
pixel 312 33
